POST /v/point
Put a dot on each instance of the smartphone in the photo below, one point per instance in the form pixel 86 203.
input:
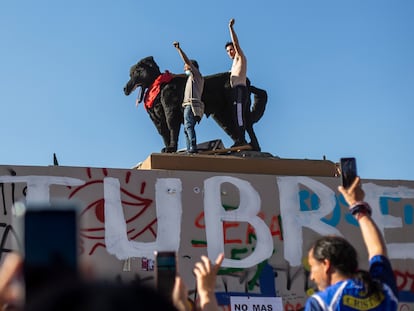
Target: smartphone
pixel 348 171
pixel 166 271
pixel 50 247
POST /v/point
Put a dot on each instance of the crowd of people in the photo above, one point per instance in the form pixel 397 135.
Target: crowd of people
pixel 78 293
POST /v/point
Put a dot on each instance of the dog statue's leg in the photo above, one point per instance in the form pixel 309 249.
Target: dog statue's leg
pixel 157 116
pixel 249 127
pixel 171 99
pixel 173 123
pixel 253 139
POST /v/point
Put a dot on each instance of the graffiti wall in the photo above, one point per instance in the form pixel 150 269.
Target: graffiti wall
pixel 263 223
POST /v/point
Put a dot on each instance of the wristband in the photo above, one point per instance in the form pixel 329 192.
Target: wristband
pixel 360 208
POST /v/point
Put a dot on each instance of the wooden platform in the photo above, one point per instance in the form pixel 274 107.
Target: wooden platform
pixel 239 164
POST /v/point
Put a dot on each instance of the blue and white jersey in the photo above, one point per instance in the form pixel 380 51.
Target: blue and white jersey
pixel 350 295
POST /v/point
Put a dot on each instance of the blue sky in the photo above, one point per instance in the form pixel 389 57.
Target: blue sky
pixel 339 76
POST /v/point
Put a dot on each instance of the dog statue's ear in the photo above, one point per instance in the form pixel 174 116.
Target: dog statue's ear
pixel 149 61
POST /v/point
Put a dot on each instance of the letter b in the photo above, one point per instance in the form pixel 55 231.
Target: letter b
pixel 247 211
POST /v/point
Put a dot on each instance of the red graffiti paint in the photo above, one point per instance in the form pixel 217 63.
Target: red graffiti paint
pixel 291 307
pixel 226 227
pixel 275 227
pixel 199 221
pixel 135 207
pixel 405 280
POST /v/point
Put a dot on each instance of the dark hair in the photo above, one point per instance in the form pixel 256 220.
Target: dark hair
pixel 343 257
pixel 339 252
pixel 228 43
pixel 194 62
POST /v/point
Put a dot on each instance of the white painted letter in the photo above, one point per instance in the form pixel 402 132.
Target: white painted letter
pixel 249 207
pixel 372 195
pixel 38 186
pixel 293 219
pixel 169 210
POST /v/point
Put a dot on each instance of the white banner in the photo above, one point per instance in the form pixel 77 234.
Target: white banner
pixel 246 303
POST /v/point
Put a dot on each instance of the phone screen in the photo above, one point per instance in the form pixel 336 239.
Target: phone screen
pixel 348 171
pixel 50 247
pixel 166 270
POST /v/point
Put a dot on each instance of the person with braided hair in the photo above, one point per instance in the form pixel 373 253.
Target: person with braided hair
pixel 334 266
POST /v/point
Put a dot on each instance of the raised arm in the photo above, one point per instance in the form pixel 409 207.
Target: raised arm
pixel 11 292
pixel 354 196
pixel 180 295
pixel 234 38
pixel 206 273
pixel 184 57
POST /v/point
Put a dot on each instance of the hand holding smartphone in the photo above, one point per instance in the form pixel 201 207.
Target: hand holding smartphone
pixel 166 271
pixel 50 246
pixel 348 171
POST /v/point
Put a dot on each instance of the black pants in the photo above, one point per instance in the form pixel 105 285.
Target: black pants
pixel 240 109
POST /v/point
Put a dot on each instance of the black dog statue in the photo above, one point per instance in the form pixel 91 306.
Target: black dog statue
pixel 164 94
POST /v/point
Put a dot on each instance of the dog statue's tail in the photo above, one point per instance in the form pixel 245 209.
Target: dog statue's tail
pixel 259 103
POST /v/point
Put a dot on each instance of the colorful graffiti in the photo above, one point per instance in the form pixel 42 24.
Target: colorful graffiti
pixel 262 223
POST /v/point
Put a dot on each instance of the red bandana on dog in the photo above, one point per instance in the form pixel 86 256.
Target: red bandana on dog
pixel 155 88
